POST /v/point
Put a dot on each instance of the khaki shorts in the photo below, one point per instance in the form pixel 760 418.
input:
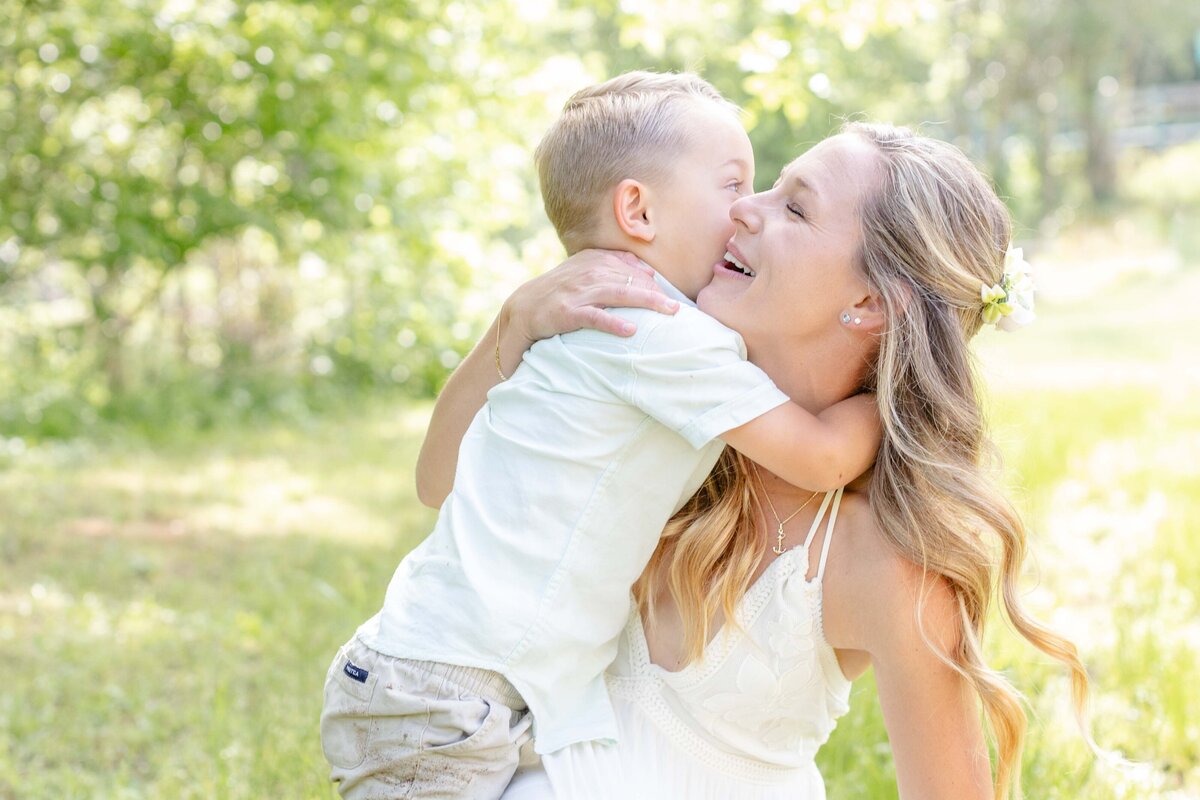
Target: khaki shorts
pixel 398 728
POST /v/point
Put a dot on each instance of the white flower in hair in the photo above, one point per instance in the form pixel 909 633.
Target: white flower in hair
pixel 1009 304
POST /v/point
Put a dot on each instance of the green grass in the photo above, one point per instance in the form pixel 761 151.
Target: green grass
pixel 167 613
pixel 168 608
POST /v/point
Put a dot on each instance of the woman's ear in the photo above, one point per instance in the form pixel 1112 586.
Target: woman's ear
pixel 864 315
pixel 631 210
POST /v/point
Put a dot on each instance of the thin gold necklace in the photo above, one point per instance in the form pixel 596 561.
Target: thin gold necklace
pixel 778 548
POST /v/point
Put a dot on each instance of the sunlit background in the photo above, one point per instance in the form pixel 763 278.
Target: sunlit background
pixel 243 244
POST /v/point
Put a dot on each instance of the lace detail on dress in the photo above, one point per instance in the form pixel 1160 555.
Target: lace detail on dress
pixel 770 694
pixel 717 652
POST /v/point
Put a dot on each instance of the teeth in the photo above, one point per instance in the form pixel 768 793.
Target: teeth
pixel 732 259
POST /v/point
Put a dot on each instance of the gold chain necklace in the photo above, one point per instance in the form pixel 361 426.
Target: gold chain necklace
pixel 778 548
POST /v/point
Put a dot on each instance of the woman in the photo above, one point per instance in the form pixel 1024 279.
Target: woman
pixel 862 269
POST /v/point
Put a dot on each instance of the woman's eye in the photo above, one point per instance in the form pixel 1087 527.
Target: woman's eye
pixel 799 212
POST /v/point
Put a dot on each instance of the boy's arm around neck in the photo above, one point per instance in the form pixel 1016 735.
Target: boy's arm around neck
pixel 817 452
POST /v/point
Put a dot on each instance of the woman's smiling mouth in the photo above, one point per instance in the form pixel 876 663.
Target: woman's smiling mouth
pixel 735 264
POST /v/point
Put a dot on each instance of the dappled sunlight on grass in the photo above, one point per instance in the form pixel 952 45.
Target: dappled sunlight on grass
pixel 338 483
pixel 189 594
pixel 1091 541
pixel 1089 260
pixel 1102 503
pixel 268 497
pixel 87 616
pixel 1138 334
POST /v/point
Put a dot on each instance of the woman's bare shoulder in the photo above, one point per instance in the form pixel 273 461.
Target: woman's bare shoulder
pixel 863 555
pixel 878 589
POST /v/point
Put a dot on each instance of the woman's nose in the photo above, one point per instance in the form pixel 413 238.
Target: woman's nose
pixel 744 211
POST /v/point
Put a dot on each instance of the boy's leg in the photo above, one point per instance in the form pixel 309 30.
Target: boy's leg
pixel 396 728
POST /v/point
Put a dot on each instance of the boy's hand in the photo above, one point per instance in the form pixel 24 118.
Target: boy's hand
pixel 576 293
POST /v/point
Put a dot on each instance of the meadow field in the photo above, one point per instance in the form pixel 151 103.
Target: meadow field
pixel 169 603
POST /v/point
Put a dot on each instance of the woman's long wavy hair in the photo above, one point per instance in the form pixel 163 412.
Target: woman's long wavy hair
pixel 932 234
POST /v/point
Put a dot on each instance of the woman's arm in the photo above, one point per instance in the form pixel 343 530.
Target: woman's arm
pixel 931 713
pixel 573 295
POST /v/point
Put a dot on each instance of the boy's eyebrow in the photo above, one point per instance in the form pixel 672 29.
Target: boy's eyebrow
pixel 741 162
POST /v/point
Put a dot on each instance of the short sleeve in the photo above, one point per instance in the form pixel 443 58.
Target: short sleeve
pixel 691 374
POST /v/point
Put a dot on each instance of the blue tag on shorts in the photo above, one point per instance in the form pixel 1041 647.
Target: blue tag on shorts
pixel 358 673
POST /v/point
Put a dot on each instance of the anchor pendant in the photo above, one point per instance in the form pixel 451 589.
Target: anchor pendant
pixel 778 548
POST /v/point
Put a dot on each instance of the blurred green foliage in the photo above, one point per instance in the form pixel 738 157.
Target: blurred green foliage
pixel 210 210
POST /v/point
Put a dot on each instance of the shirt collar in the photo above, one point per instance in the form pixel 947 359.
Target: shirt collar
pixel 668 288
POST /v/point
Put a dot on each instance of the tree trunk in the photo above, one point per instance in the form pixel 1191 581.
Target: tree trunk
pixel 1101 155
pixel 1048 188
pixel 109 330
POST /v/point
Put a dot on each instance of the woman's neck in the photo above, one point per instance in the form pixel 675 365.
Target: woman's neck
pixel 816 375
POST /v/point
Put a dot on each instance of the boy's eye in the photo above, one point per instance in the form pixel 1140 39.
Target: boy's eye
pixel 736 186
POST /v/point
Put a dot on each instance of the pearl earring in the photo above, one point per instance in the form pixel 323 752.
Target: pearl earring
pixel 858 320
pixel 845 319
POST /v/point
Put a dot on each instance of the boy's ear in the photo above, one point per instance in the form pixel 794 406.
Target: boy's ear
pixel 631 210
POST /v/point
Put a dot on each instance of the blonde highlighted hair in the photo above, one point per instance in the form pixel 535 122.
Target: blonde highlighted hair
pixel 627 127
pixel 933 232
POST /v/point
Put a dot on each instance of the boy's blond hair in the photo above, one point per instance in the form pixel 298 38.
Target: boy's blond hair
pixel 626 127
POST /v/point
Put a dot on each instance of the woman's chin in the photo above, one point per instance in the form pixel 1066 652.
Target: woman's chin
pixel 714 301
pixel 722 291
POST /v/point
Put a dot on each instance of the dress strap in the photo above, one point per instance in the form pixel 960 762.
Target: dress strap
pixel 817 520
pixel 837 502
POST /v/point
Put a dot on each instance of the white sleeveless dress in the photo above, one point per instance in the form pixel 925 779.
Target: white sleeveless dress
pixel 745 721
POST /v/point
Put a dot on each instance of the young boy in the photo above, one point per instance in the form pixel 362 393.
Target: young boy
pixel 565 478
